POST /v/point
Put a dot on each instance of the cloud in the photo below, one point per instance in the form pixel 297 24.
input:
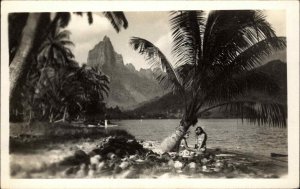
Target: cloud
pixel 277 20
pixel 164 43
pixel 153 26
pixel 85 36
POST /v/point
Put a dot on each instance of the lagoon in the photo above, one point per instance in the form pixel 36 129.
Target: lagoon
pixel 231 134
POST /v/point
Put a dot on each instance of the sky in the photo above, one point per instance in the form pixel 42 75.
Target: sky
pixel 153 26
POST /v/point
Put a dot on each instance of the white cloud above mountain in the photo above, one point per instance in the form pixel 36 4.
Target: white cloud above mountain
pixel 153 26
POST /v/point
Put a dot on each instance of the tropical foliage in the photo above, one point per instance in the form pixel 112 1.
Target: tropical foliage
pixel 54 86
pixel 31 32
pixel 54 51
pixel 215 57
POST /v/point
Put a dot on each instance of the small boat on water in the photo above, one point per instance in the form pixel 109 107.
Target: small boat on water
pixel 109 125
pixel 105 125
pixel 102 126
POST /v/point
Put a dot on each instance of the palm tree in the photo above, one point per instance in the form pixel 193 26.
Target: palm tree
pixel 69 90
pixel 55 51
pixel 28 42
pixel 53 58
pixel 215 59
pixel 95 87
pixel 95 83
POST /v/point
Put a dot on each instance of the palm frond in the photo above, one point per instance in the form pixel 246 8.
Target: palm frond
pixel 67 43
pixel 157 59
pixel 186 33
pixel 64 18
pixel 90 17
pixel 117 19
pixel 62 35
pixel 247 60
pixel 228 33
pixel 187 73
pixel 121 16
pixel 254 55
pixel 259 112
pixel 231 87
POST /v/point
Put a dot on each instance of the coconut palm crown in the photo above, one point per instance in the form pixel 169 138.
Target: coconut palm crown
pixel 55 49
pixel 215 61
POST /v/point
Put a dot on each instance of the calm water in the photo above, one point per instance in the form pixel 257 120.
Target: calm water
pixel 223 133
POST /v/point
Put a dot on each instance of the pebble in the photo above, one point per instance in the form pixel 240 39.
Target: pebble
pixel 204 160
pixel 95 160
pixel 111 155
pixel 100 166
pixel 82 172
pixel 124 165
pixel 140 160
pixel 91 173
pixel 219 164
pixel 178 165
pixel 171 163
pixel 204 168
pixel 192 165
pixel 185 153
pixel 133 157
pixel 172 154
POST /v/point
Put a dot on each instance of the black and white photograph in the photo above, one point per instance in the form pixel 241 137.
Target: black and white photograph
pixel 160 94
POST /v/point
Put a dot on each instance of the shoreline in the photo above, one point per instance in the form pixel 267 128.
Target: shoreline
pixel 39 153
pixel 238 164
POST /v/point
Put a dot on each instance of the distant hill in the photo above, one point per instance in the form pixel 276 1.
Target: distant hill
pixel 128 87
pixel 170 105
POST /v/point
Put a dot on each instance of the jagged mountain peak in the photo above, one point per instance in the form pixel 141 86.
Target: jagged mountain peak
pixel 105 42
pixel 102 53
pixel 106 38
pixel 128 86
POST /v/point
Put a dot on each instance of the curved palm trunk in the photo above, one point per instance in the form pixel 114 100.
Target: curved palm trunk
pixel 18 63
pixel 171 143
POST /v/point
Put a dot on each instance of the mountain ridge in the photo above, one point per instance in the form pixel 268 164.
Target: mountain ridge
pixel 128 86
pixel 170 105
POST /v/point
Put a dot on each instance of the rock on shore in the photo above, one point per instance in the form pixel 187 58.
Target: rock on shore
pixel 122 158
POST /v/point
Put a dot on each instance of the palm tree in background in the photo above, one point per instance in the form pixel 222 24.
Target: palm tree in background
pixel 29 30
pixel 51 87
pixel 66 92
pixel 58 93
pixel 215 59
pixel 95 83
pixel 55 49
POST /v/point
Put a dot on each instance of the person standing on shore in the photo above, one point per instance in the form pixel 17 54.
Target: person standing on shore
pixel 201 138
